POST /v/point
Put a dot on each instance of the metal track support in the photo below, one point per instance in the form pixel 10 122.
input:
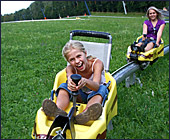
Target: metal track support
pixel 131 80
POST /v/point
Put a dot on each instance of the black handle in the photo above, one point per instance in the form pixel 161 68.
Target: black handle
pixel 76 78
pixel 86 33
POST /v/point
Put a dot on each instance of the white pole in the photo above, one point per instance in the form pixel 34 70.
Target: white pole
pixel 124 7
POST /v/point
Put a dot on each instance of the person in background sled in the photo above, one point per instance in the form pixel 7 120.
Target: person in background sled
pixel 152 31
pixel 91 86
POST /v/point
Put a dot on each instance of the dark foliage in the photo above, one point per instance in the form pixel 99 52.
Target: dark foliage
pixel 57 9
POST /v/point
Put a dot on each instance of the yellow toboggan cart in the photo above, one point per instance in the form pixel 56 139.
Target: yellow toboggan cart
pixel 63 127
pixel 151 55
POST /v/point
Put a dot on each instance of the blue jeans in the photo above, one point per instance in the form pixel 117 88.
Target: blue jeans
pixel 148 41
pixel 84 96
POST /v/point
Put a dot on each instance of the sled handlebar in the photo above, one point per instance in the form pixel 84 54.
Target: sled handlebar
pixel 86 33
pixel 76 78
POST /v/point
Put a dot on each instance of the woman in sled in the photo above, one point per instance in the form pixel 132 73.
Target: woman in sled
pixel 90 86
pixel 152 31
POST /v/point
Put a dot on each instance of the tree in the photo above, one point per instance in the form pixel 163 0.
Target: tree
pixel 55 9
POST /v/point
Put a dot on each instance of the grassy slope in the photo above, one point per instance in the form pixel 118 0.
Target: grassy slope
pixel 31 57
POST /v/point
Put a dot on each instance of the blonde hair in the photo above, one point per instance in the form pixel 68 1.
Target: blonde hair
pixel 74 45
pixel 159 15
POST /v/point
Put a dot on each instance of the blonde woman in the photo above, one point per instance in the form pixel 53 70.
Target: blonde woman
pixel 90 86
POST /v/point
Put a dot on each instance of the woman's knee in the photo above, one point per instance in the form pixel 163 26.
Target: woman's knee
pixel 149 46
pixel 95 99
pixel 139 44
pixel 63 92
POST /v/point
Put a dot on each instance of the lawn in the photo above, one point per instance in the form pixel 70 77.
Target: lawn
pixel 31 57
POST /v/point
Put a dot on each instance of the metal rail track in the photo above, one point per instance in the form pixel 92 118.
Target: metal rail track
pixel 130 68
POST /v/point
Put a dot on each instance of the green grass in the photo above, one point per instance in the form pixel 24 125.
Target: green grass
pixel 31 57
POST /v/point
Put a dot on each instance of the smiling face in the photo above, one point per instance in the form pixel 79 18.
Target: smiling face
pixel 77 59
pixel 152 14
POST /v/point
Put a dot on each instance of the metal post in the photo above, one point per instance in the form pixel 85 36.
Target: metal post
pixel 87 8
pixel 43 12
pixel 124 7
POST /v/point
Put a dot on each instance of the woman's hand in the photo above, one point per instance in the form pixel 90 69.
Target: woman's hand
pixel 81 83
pixel 72 86
pixel 157 44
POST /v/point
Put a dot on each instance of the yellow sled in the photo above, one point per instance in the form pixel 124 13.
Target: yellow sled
pixel 93 129
pixel 150 55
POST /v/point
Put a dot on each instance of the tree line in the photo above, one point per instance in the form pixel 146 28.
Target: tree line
pixel 57 9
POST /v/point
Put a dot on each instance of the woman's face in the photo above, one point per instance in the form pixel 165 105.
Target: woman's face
pixel 152 14
pixel 77 59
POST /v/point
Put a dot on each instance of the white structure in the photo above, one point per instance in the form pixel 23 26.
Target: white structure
pixel 124 7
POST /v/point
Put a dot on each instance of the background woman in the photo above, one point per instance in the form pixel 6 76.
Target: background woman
pixel 152 31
